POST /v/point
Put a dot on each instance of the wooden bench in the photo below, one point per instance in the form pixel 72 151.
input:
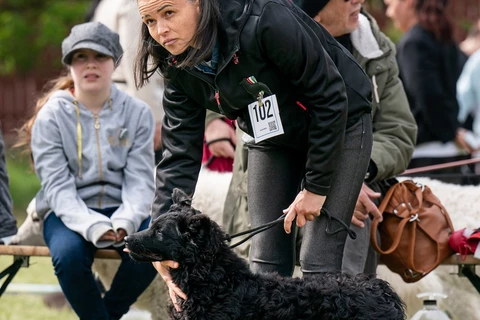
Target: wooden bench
pixel 21 258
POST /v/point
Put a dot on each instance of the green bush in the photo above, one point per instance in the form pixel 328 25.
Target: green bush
pixel 33 29
pixel 24 183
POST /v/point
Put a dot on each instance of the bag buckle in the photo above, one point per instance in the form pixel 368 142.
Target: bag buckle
pixel 420 185
pixel 414 217
pixel 409 273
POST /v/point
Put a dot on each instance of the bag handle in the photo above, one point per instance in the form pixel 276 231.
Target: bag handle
pixel 396 240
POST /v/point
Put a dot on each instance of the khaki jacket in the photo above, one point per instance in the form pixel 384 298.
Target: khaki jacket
pixel 394 127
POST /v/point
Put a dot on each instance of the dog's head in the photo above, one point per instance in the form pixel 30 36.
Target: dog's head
pixel 182 234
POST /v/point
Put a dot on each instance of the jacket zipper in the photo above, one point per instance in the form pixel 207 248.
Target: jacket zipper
pixel 217 94
pixel 100 170
pixel 214 86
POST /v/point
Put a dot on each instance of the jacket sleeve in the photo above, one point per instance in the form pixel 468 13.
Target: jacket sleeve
pixel 422 76
pixel 8 224
pixel 58 183
pixel 182 137
pixel 295 50
pixel 138 182
pixel 394 129
pixel 468 90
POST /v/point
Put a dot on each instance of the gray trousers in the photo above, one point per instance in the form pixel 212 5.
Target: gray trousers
pixel 274 178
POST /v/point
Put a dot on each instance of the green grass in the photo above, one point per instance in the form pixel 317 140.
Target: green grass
pixel 23 307
pixel 23 186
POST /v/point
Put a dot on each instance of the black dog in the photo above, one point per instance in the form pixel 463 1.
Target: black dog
pixel 219 284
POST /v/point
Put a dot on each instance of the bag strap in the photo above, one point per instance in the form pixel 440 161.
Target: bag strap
pixel 432 199
pixel 396 240
pixel 375 223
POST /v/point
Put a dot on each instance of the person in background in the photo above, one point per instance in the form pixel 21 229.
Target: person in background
pixel 8 223
pixel 430 63
pixel 472 42
pixel 468 85
pixel 92 149
pixel 122 17
pixel 468 92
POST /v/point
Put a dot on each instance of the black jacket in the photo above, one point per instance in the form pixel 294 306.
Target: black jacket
pixel 429 70
pixel 278 44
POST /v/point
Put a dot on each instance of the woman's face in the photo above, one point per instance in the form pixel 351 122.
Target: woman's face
pixel 172 23
pixel 91 71
pixel 401 12
pixel 340 17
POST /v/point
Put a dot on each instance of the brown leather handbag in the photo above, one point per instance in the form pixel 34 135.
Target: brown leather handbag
pixel 414 232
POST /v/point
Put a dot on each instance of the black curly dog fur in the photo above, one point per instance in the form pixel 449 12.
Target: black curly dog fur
pixel 219 284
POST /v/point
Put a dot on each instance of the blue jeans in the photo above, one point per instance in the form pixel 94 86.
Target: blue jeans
pixel 72 258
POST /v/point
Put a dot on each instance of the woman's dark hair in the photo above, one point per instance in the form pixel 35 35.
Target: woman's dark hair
pixel 432 15
pixel 91 10
pixel 152 56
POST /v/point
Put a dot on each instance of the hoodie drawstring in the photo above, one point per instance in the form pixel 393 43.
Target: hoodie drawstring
pixel 375 89
pixel 79 139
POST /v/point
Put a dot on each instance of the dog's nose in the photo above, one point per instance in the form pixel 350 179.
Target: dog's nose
pixel 125 239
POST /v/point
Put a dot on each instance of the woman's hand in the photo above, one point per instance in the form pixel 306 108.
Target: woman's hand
pixel 121 234
pixel 110 235
pixel 366 206
pixel 460 140
pixel 306 206
pixel 163 269
pixel 218 129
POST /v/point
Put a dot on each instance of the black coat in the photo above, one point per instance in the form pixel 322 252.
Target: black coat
pixel 282 47
pixel 429 69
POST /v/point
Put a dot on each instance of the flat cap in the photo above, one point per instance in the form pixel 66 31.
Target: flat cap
pixel 94 36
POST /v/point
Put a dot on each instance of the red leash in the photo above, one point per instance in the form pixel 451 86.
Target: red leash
pixel 440 166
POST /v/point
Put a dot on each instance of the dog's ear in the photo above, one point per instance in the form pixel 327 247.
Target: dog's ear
pixel 182 203
pixel 199 228
pixel 181 198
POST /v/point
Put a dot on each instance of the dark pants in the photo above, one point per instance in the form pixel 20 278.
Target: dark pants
pixel 72 258
pixel 358 255
pixel 274 176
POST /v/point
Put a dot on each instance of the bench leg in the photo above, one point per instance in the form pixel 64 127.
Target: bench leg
pixel 469 272
pixel 11 271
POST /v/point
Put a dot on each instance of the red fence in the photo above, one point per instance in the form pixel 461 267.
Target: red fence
pixel 17 97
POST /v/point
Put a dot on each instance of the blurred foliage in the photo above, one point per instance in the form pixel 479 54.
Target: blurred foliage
pixel 24 183
pixel 375 5
pixel 29 29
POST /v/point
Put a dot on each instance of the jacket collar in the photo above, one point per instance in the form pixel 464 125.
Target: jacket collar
pixel 234 14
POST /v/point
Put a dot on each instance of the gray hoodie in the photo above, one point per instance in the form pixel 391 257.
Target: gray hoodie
pixel 113 165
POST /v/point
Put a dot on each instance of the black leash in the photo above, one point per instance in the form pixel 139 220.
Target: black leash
pixel 266 226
